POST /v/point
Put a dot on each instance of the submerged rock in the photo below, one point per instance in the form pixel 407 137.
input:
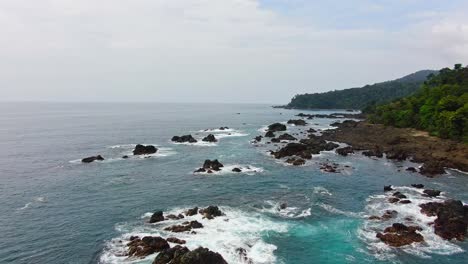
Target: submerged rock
pixel 210 138
pixel 388 188
pixel 91 159
pixel 418 186
pixel 184 139
pixel 144 150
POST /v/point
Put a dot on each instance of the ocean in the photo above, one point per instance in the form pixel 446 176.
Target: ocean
pixel 55 209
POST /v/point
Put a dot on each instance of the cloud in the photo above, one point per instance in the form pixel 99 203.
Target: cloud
pixel 205 50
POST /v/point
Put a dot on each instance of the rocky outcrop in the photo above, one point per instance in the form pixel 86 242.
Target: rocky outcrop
pixel 92 158
pixel 157 217
pixel 400 235
pixel 144 150
pixel 292 149
pixel 297 122
pixel 184 139
pixel 184 227
pixel 276 127
pixel 146 246
pixel 210 166
pixel 210 138
pixel 344 151
pixel 452 218
pixel 269 134
pixel 211 212
pixel 286 136
pixel 432 168
pixel 192 211
pixel 431 193
pixel 182 255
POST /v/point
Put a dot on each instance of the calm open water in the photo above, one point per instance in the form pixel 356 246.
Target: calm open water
pixel 56 210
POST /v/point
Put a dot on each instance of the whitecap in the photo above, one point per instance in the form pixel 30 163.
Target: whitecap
pixel 321 190
pixel 274 208
pixel 334 210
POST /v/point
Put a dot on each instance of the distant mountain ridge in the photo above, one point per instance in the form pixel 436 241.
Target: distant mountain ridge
pixel 359 98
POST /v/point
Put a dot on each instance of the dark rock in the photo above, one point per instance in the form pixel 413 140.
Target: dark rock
pixel 174 217
pixel 185 227
pixel 258 138
pixel 411 169
pixel 296 161
pixel 418 186
pixel 393 200
pixel 374 217
pixel 125 157
pixel 311 130
pixel 388 188
pixel 192 211
pixel 331 168
pixel 146 246
pixel 276 127
pixel 144 150
pixel 224 128
pixel 211 212
pixel 431 193
pixel 375 152
pixel 236 170
pixel 297 122
pixel 210 138
pixel 200 170
pixel 396 154
pixel 345 151
pixel 167 255
pixel 212 164
pixel 283 206
pixel 157 217
pixel 184 139
pixel 275 140
pixel 270 134
pixel 405 201
pixel 399 195
pixel 389 214
pixel 176 240
pixel 198 256
pixel 286 136
pixel 431 168
pixel 400 235
pixel 452 218
pixel 91 159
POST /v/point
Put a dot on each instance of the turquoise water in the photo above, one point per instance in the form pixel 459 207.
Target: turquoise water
pixel 56 210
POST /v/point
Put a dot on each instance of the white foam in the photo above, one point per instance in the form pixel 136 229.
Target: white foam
pixel 224 234
pixel 227 169
pixel 377 204
pixel 274 208
pixel 321 190
pixel 216 130
pixel 334 210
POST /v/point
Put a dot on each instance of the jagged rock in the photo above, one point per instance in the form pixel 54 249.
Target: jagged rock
pixel 144 150
pixel 192 211
pixel 452 218
pixel 375 152
pixel 184 139
pixel 210 138
pixel 91 159
pixel 198 256
pixel 270 134
pixel 388 188
pixel 213 165
pixel 399 195
pixel 400 235
pixel 166 256
pixel 176 240
pixel 146 246
pixel 431 193
pixel 431 168
pixel 211 212
pixel 157 217
pixel 297 122
pixel 286 136
pixel 276 127
pixel 345 151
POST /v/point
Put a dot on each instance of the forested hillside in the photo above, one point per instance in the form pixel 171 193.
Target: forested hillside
pixel 358 98
pixel 440 106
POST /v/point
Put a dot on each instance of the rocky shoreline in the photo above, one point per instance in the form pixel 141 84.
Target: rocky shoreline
pixel 401 144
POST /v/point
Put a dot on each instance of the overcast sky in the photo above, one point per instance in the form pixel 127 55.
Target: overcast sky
pixel 219 50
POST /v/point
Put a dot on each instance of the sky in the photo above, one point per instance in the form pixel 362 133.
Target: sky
pixel 223 51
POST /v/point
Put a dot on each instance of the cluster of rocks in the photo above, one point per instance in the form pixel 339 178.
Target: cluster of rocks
pixel 333 115
pixel 184 139
pixel 451 221
pixel 329 167
pixel 209 166
pixel 138 150
pixel 344 151
pixel 142 247
pixel 297 122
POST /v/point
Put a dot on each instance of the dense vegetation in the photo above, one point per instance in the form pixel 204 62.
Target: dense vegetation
pixel 440 106
pixel 358 98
